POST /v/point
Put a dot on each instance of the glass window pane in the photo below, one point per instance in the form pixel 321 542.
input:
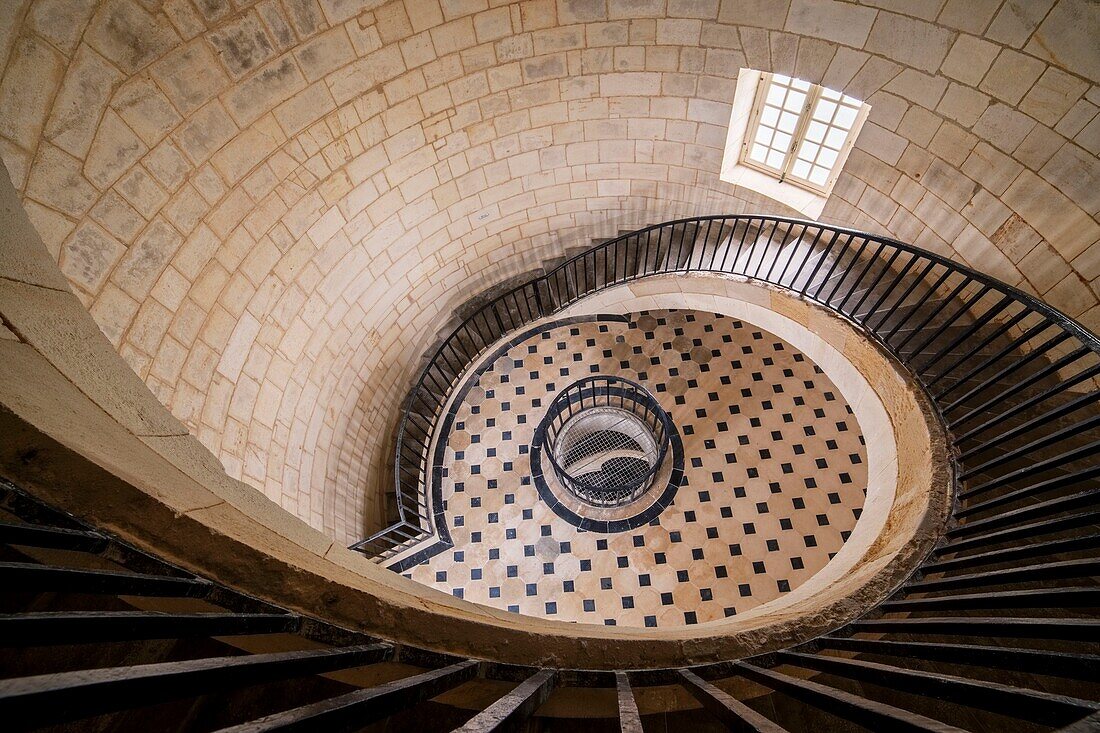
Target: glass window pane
pixel 808 151
pixel 775 159
pixel 759 153
pixel 788 121
pixel 852 100
pixel 769 116
pixel 780 79
pixel 845 117
pixel 800 85
pixel 835 138
pixel 775 95
pixel 794 101
pixel 800 168
pixel 824 110
pixel 764 135
pixel 827 158
pixel 816 132
pixel 828 93
pixel 781 142
pixel 819 175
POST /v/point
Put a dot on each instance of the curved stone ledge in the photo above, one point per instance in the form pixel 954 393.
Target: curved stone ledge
pixel 79 430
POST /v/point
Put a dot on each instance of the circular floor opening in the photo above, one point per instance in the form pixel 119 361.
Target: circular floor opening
pixel 606 439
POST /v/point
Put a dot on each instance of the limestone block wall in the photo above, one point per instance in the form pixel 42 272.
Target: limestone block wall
pixel 269 207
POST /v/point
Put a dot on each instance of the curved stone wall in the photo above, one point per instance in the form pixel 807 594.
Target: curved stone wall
pixel 270 207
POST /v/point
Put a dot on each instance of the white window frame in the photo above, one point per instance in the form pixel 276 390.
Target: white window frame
pixel 813 95
pixel 737 168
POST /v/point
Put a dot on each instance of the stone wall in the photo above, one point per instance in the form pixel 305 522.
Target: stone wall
pixel 269 207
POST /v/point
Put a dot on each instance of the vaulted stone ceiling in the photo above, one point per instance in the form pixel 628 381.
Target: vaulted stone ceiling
pixel 270 207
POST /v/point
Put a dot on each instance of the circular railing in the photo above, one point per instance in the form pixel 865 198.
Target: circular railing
pixel 606 439
pixel 1003 369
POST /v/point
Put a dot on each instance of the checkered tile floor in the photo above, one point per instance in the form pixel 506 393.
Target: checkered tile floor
pixel 775 477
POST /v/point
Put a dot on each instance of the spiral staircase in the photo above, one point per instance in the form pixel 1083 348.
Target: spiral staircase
pixel 997 630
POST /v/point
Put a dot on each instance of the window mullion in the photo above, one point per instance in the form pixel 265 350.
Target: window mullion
pixel 849 143
pixel 763 84
pixel 800 129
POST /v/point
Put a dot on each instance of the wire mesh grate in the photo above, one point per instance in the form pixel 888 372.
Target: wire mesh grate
pixel 606 438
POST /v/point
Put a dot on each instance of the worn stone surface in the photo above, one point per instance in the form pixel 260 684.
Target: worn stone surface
pixel 242 44
pixel 81 100
pixel 190 76
pixel 34 72
pixel 129 35
pixel 89 256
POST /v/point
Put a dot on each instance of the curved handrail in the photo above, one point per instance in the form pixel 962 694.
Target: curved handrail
pixel 866 278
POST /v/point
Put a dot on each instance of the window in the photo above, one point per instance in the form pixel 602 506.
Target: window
pixel 801 132
pixel 788 138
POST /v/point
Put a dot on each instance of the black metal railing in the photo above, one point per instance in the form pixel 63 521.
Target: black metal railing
pixel 620 408
pixel 997 631
pixel 986 352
